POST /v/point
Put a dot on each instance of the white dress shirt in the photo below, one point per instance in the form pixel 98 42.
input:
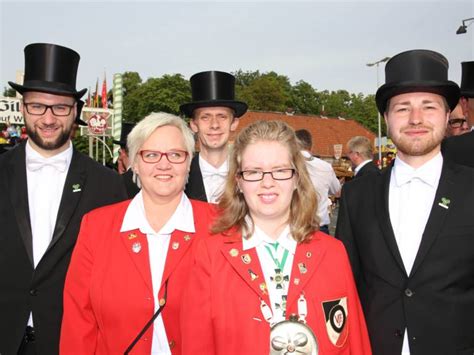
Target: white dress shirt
pixel 325 183
pixel 213 178
pixel 158 242
pixel 411 195
pixel 45 182
pixel 259 240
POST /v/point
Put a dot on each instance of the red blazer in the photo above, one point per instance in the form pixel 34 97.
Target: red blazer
pixel 224 293
pixel 108 296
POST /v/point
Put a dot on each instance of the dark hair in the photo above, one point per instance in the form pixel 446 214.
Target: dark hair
pixel 304 138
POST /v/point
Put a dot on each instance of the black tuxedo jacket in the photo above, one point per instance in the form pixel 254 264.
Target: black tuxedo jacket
pixel 24 289
pixel 460 149
pixel 368 168
pixel 436 301
pixel 195 186
pixel 131 188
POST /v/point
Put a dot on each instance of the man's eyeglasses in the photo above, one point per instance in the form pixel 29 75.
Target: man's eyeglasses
pixel 154 156
pixel 456 122
pixel 256 175
pixel 37 109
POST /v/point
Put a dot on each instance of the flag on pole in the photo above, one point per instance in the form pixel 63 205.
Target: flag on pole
pixel 88 101
pixel 104 92
pixel 96 98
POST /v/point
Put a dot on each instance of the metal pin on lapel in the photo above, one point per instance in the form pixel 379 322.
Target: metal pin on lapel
pixel 136 247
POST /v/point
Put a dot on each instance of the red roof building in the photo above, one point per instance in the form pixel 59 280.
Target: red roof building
pixel 325 131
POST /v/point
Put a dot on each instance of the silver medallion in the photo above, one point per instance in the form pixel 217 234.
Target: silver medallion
pixel 292 337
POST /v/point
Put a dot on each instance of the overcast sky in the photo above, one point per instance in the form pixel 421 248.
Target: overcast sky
pixel 326 43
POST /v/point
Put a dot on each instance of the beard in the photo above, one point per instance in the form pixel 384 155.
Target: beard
pixel 418 146
pixel 58 142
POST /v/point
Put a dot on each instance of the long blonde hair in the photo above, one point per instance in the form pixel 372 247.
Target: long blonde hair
pixel 232 206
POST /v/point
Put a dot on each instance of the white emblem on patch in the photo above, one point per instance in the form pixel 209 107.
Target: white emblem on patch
pixel 335 315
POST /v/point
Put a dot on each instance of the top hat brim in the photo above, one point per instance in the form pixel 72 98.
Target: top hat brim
pixel 120 143
pixel 80 122
pixel 239 107
pixel 47 87
pixel 467 93
pixel 448 89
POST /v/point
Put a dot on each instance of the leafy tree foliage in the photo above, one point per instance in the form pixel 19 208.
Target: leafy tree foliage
pixel 9 92
pixel 164 94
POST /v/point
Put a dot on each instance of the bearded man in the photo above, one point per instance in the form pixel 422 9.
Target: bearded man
pixel 47 186
pixel 409 231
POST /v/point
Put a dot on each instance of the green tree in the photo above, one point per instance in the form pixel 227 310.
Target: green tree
pixel 268 92
pixel 305 99
pixel 9 92
pixel 156 94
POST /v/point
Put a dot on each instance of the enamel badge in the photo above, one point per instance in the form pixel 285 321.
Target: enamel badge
pixel 136 247
pixel 335 315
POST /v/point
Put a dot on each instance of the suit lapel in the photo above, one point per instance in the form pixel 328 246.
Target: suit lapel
pixel 72 192
pixel 18 190
pixel 180 243
pixel 195 186
pixel 446 191
pixel 246 264
pixel 136 245
pixel 383 215
pixel 305 263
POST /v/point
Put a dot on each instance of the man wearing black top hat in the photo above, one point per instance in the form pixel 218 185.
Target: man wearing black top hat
pixel 411 240
pixel 461 148
pixel 123 164
pixel 214 114
pixel 47 186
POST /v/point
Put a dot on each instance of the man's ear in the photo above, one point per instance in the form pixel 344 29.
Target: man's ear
pixel 234 124
pixel 193 126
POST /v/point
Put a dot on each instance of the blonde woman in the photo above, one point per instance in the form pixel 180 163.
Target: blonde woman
pixel 268 281
pixel 132 259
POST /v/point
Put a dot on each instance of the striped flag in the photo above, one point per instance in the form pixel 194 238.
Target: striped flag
pixel 96 97
pixel 104 92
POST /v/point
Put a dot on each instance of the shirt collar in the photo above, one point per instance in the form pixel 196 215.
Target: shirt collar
pixel 30 152
pixel 361 165
pixel 259 237
pixel 135 217
pixel 429 173
pixel 208 169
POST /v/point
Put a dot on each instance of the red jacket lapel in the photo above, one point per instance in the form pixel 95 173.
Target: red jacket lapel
pixel 180 243
pixel 306 260
pixel 246 264
pixel 136 245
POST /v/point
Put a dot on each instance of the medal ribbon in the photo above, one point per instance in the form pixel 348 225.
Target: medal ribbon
pixel 279 264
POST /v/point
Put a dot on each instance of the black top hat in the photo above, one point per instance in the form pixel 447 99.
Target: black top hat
pixel 467 80
pixel 211 89
pixel 50 68
pixel 80 105
pixel 126 129
pixel 417 70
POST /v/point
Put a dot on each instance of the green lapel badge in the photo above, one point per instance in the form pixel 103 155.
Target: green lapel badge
pixel 444 202
pixel 76 188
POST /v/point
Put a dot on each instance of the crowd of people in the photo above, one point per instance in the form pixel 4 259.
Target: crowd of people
pixel 228 251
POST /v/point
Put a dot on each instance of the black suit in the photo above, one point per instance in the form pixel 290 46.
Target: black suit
pixel 368 168
pixel 460 149
pixel 436 301
pixel 130 186
pixel 195 186
pixel 24 289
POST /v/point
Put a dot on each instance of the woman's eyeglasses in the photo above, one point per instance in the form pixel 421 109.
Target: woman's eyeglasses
pixel 154 156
